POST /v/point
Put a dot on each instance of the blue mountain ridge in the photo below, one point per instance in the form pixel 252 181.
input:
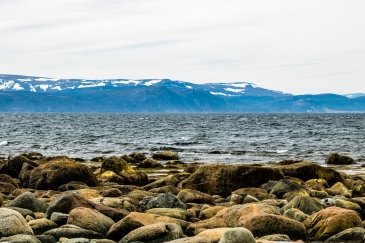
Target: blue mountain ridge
pixel 38 94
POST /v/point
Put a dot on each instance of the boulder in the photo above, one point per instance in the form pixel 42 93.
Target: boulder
pixel 164 200
pixel 286 186
pixel 150 163
pixel 330 221
pixel 54 174
pixel 39 226
pixel 115 164
pixel 223 179
pixel 258 193
pixel 195 239
pixel 65 202
pixel 90 219
pixel 169 180
pixel 15 165
pixel 166 155
pixel 20 238
pixel 59 218
pixel 154 233
pixel 339 189
pixel 339 159
pixel 177 213
pixel 295 214
pixel 135 220
pixel 24 174
pixel 194 196
pixel 29 201
pixel 306 204
pixel 354 235
pixel 73 231
pixel 275 237
pixel 138 157
pixel 237 235
pixel 308 170
pixel 7 184
pixel 210 212
pixel 213 235
pixel 13 223
pixel 268 224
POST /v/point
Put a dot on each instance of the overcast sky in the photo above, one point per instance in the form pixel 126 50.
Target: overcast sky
pixel 297 46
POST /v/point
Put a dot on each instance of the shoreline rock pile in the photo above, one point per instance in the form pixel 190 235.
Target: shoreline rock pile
pixel 133 198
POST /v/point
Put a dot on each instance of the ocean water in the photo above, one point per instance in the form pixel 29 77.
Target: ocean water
pixel 226 138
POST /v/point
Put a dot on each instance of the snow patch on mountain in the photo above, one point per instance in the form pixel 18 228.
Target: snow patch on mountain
pixel 234 90
pixel 152 82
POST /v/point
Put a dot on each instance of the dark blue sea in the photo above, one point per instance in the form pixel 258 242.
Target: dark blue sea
pixel 223 138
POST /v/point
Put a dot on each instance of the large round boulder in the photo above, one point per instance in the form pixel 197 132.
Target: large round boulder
pixel 330 221
pixel 223 179
pixel 90 219
pixel 339 159
pixel 29 201
pixel 160 232
pixel 54 174
pixel 115 164
pixel 166 155
pixel 13 223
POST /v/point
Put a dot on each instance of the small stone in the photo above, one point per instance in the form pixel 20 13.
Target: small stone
pixel 20 238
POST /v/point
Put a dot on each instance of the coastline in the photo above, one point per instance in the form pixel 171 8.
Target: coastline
pixel 161 199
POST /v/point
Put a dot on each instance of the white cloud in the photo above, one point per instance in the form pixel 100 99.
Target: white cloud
pixel 302 46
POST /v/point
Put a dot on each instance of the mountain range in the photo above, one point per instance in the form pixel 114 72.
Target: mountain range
pixel 38 94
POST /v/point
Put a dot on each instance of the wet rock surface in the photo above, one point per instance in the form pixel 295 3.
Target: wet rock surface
pixel 136 198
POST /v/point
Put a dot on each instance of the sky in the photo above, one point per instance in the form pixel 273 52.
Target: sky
pixel 296 46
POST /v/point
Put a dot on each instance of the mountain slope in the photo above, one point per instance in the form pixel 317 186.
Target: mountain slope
pixel 35 94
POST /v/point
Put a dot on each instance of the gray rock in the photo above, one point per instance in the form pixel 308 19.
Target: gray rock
pixel 237 235
pixel 23 211
pixel 65 202
pixel 59 218
pixel 13 223
pixel 154 233
pixel 29 201
pixel 46 238
pixel 164 200
pixel 20 238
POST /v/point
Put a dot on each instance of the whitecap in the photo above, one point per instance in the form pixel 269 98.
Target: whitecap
pixel 281 151
pixel 4 143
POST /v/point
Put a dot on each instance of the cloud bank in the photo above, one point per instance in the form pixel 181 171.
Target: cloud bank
pixel 302 46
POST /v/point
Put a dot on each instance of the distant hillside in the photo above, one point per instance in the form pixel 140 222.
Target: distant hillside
pixel 37 94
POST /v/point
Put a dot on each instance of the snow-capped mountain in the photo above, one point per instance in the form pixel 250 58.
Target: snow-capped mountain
pixel 42 84
pixel 39 94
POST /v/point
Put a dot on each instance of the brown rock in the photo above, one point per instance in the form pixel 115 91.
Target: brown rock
pixel 307 170
pixel 223 179
pixel 54 174
pixel 194 196
pixel 330 221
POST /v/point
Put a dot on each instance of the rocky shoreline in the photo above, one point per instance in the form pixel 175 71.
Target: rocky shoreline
pixel 133 198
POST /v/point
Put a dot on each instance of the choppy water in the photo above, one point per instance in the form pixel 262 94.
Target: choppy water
pixel 205 138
